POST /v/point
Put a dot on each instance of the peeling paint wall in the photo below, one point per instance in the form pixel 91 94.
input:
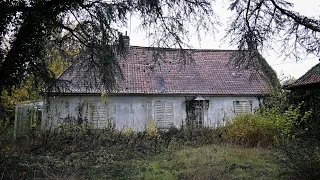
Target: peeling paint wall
pixel 221 109
pixel 132 111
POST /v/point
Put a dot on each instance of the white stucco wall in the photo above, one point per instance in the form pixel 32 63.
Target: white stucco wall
pixel 135 111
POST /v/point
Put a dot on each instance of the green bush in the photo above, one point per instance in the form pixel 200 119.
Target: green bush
pixel 310 97
pixel 266 127
pixel 250 130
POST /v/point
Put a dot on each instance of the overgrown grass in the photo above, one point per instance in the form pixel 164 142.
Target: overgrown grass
pixel 82 153
pixel 212 162
pixel 78 153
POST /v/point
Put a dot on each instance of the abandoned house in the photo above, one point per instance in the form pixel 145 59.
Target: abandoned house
pixel 203 89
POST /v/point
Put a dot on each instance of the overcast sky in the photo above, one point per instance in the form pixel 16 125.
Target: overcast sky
pixel 288 67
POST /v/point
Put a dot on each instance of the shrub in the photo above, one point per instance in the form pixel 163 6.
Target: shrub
pixel 152 130
pixel 311 97
pixel 286 124
pixel 250 130
pixel 266 127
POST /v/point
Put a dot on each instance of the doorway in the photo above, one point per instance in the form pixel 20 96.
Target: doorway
pixel 195 110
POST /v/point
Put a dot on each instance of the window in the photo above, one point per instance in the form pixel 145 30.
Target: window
pixel 242 107
pixel 195 112
pixel 28 117
pixel 112 113
pixel 164 114
pixel 103 115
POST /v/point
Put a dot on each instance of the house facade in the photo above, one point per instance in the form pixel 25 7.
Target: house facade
pixel 202 89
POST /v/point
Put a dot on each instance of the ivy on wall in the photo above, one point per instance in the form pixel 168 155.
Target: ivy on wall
pixel 311 97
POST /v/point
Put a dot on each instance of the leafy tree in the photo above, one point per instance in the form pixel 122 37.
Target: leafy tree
pixel 28 89
pixel 90 26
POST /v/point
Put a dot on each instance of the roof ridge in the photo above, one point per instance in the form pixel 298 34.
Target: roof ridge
pixel 193 49
pixel 307 74
pixel 303 80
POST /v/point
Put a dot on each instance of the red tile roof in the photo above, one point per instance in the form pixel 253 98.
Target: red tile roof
pixel 207 72
pixel 312 77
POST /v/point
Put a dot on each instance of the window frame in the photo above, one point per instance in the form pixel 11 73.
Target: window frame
pixel 243 107
pixel 166 114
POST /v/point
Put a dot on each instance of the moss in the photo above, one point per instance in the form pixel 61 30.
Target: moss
pixel 269 72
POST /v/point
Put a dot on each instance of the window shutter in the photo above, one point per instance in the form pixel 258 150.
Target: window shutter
pixel 246 106
pixel 160 113
pixel 112 113
pixel 238 107
pixel 164 114
pixel 168 114
pixel 103 116
pixel 99 115
pixel 94 113
pixel 242 107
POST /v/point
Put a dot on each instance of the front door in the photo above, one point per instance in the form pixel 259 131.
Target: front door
pixel 195 113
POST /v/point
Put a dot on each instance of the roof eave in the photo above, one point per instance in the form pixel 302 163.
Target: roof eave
pixel 156 94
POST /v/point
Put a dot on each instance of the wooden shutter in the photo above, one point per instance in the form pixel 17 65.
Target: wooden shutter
pixel 246 106
pixel 103 116
pixel 94 115
pixel 242 107
pixel 164 114
pixel 160 113
pixel 99 115
pixel 168 114
pixel 112 113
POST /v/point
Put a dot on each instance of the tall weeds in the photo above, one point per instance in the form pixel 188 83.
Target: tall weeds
pixel 80 152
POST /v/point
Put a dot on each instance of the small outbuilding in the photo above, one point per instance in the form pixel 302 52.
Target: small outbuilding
pixel 28 116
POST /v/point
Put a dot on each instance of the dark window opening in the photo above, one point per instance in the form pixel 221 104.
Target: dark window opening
pixel 195 113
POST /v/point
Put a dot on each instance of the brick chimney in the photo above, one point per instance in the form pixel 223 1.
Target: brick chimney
pixel 126 41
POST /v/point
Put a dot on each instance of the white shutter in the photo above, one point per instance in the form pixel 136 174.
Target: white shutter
pixel 237 107
pixel 168 114
pixel 164 114
pixel 99 115
pixel 242 107
pixel 246 106
pixel 112 113
pixel 103 116
pixel 160 113
pixel 94 114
